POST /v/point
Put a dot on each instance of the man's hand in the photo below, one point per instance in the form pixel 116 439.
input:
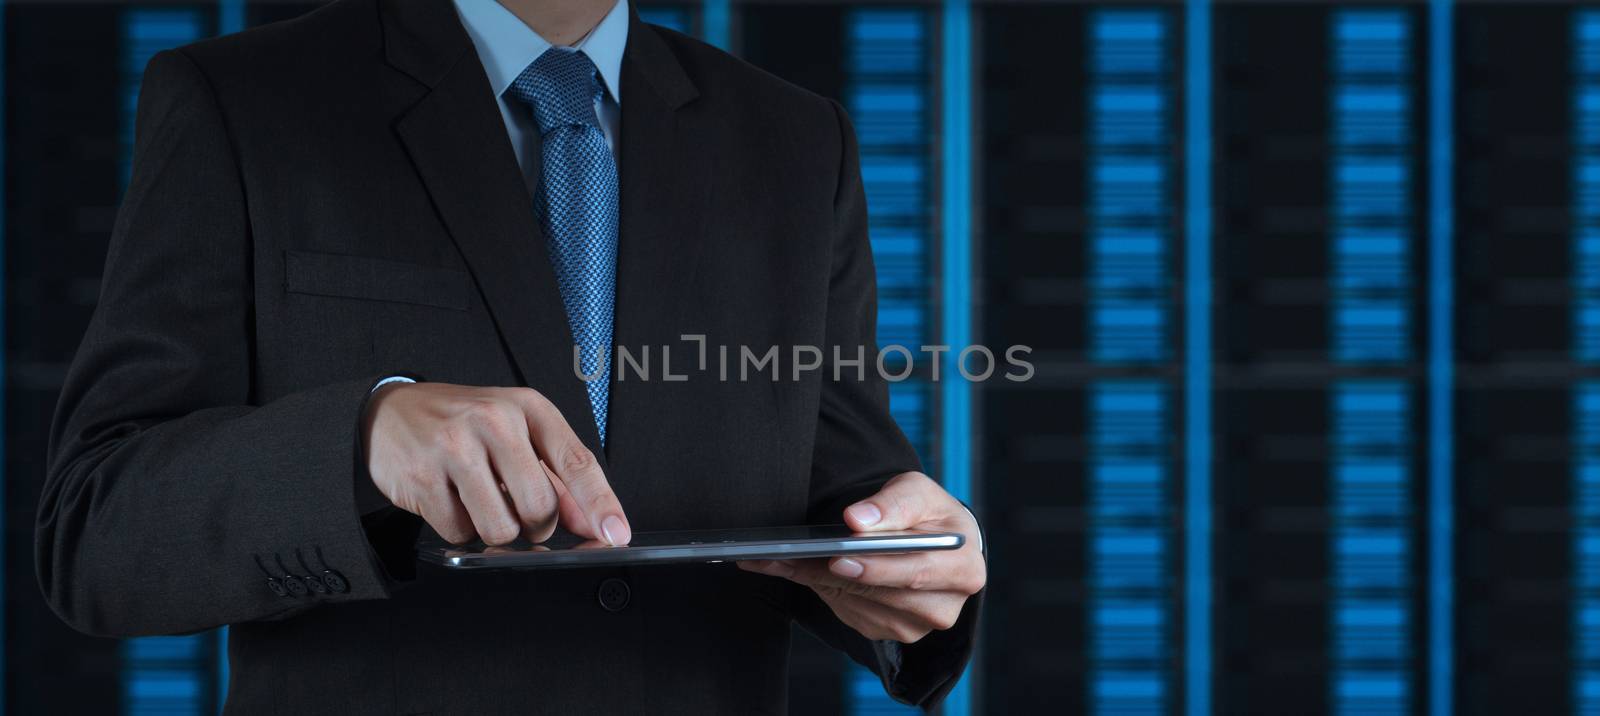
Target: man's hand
pixel 901 597
pixel 491 463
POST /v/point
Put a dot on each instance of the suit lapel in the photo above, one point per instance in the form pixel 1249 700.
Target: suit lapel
pixel 456 138
pixel 665 171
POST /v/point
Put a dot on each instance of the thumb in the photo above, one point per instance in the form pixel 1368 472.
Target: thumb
pixel 904 502
pixel 570 515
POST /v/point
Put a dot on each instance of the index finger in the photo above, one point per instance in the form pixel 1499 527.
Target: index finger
pixel 920 571
pixel 575 466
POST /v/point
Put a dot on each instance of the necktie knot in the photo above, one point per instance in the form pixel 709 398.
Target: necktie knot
pixel 561 86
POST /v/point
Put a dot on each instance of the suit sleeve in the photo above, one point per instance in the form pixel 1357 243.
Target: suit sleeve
pixel 174 502
pixel 859 447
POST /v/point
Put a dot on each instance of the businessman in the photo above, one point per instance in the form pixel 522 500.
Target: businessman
pixel 342 300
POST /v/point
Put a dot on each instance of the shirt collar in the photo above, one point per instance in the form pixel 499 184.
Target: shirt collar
pixel 506 45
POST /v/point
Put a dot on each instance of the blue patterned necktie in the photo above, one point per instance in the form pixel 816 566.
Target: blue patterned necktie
pixel 577 205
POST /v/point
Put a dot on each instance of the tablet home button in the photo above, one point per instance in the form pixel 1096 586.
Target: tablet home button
pixel 614 595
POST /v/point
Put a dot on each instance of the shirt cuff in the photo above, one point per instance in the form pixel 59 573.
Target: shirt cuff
pixel 392 379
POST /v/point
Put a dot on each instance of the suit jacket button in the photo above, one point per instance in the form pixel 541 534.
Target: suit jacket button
pixel 296 585
pixel 277 587
pixel 315 584
pixel 335 581
pixel 614 595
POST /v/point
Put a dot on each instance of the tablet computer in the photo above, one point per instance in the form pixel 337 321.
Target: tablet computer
pixel 566 550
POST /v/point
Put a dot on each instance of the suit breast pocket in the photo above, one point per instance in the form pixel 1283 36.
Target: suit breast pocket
pixel 372 279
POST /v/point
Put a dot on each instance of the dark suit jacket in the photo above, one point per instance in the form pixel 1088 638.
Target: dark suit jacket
pixel 321 203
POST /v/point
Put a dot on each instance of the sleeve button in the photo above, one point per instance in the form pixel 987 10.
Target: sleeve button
pixel 315 584
pixel 277 587
pixel 296 585
pixel 335 581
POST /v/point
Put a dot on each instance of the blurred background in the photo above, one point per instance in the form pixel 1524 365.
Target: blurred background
pixel 1313 292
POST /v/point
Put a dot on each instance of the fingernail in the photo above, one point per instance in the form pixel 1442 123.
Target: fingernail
pixel 615 531
pixel 865 514
pixel 847 568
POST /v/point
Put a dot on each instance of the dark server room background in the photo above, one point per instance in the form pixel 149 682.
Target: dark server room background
pixel 1312 289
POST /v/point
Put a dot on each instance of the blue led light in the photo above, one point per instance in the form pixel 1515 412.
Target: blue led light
pixel 1130 548
pixel 1130 127
pixel 1370 548
pixel 230 16
pixel 1586 550
pixel 1197 359
pixel 1130 241
pixel 166 674
pixel 1586 348
pixel 717 23
pixel 672 17
pixel 1371 178
pixel 1441 360
pixel 1586 186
